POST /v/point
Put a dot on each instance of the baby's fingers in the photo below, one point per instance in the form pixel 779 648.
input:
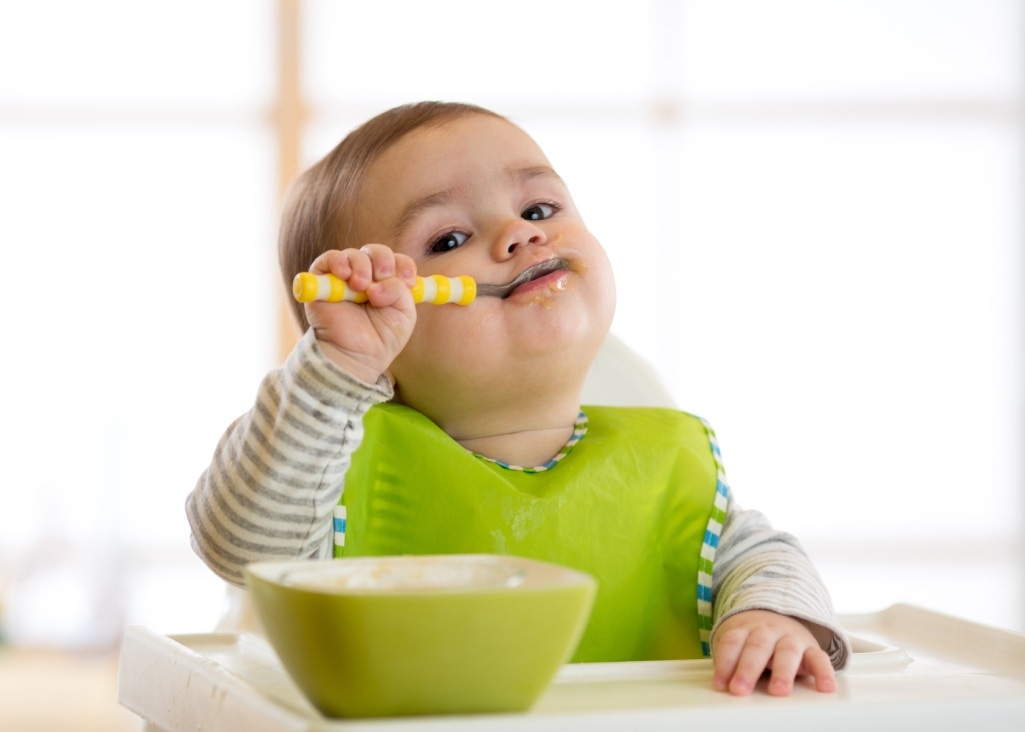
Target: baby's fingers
pixel 786 662
pixel 792 659
pixel 725 657
pixel 390 293
pixel 817 664
pixel 352 266
pixel 361 268
pixel 386 263
pixel 382 261
pixel 740 658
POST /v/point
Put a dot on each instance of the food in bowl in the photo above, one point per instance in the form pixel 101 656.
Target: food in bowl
pixel 402 573
pixel 449 634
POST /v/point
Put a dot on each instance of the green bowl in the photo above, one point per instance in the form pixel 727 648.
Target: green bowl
pixel 391 636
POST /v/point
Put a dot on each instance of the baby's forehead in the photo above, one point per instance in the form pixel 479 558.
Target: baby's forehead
pixel 470 132
pixel 438 157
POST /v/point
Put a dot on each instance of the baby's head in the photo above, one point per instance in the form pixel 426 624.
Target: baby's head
pixel 462 190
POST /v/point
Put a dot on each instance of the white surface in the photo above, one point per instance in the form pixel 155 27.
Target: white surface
pixel 912 669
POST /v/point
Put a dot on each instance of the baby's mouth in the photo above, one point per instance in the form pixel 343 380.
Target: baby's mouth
pixel 531 273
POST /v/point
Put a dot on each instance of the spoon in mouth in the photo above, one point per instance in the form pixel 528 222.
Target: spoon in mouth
pixel 531 273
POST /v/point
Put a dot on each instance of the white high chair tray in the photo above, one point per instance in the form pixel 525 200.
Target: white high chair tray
pixel 912 669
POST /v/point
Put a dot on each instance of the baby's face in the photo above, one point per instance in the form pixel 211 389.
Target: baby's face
pixel 476 196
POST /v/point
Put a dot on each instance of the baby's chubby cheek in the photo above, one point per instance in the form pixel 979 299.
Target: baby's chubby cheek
pixel 445 334
pixel 600 284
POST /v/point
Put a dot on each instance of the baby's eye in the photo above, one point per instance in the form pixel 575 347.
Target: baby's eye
pixel 539 211
pixel 448 242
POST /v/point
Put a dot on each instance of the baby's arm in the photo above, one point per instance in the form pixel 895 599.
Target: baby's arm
pixel 772 610
pixel 278 471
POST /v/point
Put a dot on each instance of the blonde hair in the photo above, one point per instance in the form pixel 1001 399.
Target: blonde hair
pixel 320 210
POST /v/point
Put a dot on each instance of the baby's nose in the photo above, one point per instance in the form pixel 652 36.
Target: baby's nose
pixel 516 234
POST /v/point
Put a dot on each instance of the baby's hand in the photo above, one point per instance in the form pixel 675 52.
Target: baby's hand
pixel 748 643
pixel 364 339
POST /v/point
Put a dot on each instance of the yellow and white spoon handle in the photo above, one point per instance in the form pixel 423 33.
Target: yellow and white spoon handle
pixel 435 289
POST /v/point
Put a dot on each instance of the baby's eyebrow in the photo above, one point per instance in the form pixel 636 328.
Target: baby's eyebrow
pixel 417 207
pixel 534 171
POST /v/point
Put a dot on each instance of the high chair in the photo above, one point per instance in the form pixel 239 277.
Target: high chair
pixel 911 668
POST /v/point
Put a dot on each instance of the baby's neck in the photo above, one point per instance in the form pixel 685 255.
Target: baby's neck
pixel 528 433
pixel 525 429
pixel 526 448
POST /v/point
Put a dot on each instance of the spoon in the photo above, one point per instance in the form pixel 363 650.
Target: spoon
pixel 435 289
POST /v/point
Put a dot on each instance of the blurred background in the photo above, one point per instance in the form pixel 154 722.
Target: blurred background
pixel 815 209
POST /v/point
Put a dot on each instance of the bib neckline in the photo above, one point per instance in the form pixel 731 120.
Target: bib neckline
pixel 579 430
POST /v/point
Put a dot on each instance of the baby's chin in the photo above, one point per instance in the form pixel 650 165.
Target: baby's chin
pixel 530 389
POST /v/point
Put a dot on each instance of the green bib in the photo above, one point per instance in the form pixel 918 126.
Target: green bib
pixel 630 504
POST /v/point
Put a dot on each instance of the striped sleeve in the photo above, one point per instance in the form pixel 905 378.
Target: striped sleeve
pixel 759 568
pixel 278 471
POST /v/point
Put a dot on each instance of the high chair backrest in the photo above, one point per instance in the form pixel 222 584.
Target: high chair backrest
pixel 618 378
pixel 621 378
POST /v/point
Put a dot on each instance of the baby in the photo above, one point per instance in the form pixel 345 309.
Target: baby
pixel 468 421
